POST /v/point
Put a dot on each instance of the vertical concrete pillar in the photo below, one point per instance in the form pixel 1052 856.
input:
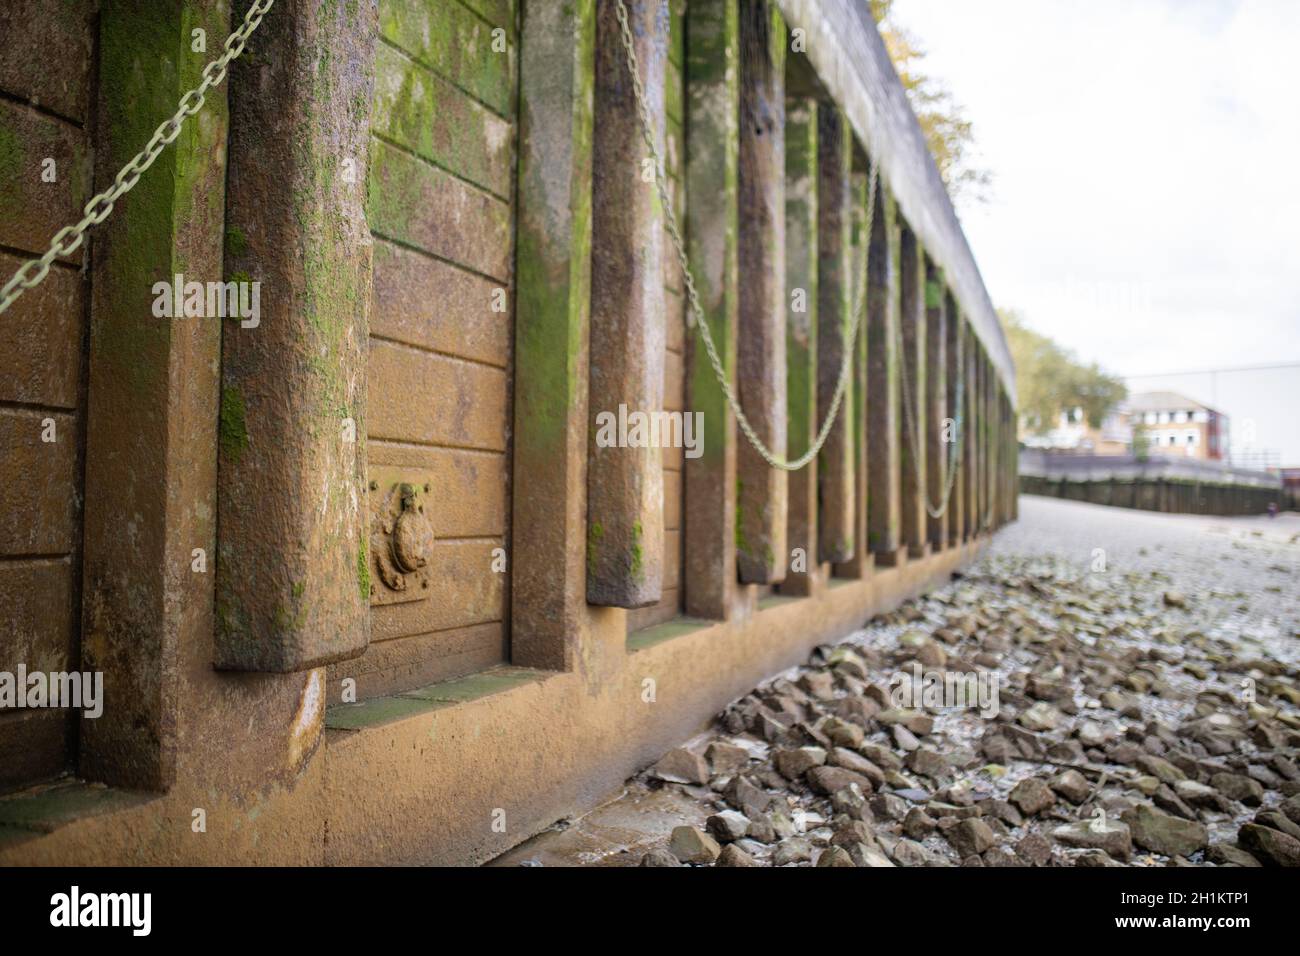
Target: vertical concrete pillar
pixel 912 367
pixel 801 337
pixel 293 568
pixel 712 116
pixel 857 404
pixel 953 358
pixel 553 286
pixel 884 480
pixel 625 495
pixel 836 522
pixel 761 492
pixel 152 395
pixel 936 400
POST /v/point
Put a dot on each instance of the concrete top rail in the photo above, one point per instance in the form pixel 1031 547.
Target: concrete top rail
pixel 1128 467
pixel 850 58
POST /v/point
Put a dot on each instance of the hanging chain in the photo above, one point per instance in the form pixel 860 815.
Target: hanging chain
pixel 69 238
pixel 695 317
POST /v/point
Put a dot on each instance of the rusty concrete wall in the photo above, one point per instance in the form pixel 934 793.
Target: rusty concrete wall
pixel 282 767
pixel 45 179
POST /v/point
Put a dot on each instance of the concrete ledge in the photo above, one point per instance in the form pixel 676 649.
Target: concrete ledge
pixel 459 772
pixel 428 787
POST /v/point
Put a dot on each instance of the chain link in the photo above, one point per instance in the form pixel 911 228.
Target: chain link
pixel 695 317
pixel 69 238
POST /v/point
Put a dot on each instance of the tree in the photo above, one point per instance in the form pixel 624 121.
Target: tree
pixel 948 133
pixel 1050 380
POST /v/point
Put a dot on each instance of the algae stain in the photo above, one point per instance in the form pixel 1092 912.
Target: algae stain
pixel 233 429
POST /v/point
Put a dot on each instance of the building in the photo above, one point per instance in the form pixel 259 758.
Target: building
pixel 1174 425
pixel 1074 433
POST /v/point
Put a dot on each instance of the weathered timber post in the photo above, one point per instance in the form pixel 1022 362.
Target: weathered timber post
pixel 857 399
pixel 712 116
pixel 553 285
pixel 836 524
pixel 936 402
pixel 801 336
pixel 293 570
pixel 153 395
pixel 761 359
pixel 956 501
pixel 625 517
pixel 884 498
pixel 971 437
pixel 912 364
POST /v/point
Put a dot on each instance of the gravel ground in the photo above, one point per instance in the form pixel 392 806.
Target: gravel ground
pixel 1132 697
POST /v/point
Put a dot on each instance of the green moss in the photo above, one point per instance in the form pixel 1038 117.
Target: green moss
pixel 233 428
pixel 594 535
pixel 236 242
pixel 638 553
pixel 363 569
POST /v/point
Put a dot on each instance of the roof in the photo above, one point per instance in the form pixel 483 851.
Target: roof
pixel 1165 402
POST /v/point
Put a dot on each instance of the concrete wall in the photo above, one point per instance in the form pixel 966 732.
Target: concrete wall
pixel 1175 485
pixel 432 618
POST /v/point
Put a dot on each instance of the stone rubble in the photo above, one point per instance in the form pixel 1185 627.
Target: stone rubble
pixel 1135 724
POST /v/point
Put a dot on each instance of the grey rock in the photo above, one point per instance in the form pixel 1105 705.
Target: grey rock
pixel 793 764
pixel 1031 796
pixel 828 780
pixel 1112 837
pixel 681 766
pixel 792 850
pixel 726 758
pixel 659 857
pixel 835 856
pixel 971 837
pixel 1162 833
pixel 693 846
pixel 728 826
pixel 1237 787
pixel 1270 847
pixel 733 855
pixel 1072 785
pixel 1224 854
pixel 1034 849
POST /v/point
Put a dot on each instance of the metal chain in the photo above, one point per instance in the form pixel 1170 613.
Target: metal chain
pixel 695 317
pixel 69 238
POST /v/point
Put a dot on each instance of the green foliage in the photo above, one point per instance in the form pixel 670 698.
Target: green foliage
pixel 948 133
pixel 1050 379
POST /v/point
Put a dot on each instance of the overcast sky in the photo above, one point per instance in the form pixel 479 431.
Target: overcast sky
pixel 1145 210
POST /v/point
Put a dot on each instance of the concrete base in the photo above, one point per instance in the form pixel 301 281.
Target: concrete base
pixel 460 772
